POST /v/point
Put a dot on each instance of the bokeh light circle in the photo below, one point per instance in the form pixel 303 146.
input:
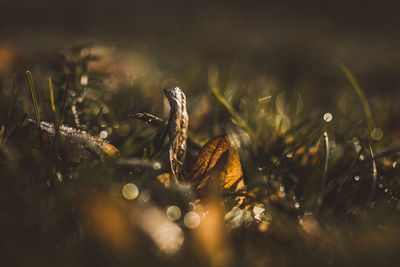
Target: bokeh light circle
pixel 130 191
pixel 377 134
pixel 173 213
pixel 192 220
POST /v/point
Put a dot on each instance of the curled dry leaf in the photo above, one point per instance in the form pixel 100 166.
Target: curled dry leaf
pixel 177 131
pixel 217 163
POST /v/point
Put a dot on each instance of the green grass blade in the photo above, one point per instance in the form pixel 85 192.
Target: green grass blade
pixel 10 105
pixel 374 175
pixel 360 93
pixel 388 152
pixel 225 81
pixel 35 104
pixel 238 120
pixel 326 164
pixel 213 84
pixel 349 171
pixel 53 107
pixel 326 147
pixel 12 97
pixel 64 100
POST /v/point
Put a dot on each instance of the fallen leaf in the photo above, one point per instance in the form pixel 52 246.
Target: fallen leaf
pixel 217 163
pixel 109 149
pixel 233 171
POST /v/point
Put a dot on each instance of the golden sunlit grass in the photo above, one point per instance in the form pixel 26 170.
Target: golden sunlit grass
pixel 271 178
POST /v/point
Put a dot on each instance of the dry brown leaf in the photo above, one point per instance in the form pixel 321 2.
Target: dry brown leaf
pixel 233 171
pixel 207 159
pixel 217 163
pixel 109 149
pixel 177 130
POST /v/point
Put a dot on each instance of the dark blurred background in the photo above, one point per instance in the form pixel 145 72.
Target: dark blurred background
pixel 277 45
pixel 281 38
pixel 286 40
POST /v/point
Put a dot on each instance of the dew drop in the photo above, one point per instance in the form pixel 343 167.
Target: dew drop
pixel 84 79
pixel 103 134
pixel 281 193
pixel 377 134
pixel 328 117
pixel 156 165
pixel 59 177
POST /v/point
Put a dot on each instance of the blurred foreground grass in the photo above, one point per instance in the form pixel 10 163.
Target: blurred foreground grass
pixel 317 196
